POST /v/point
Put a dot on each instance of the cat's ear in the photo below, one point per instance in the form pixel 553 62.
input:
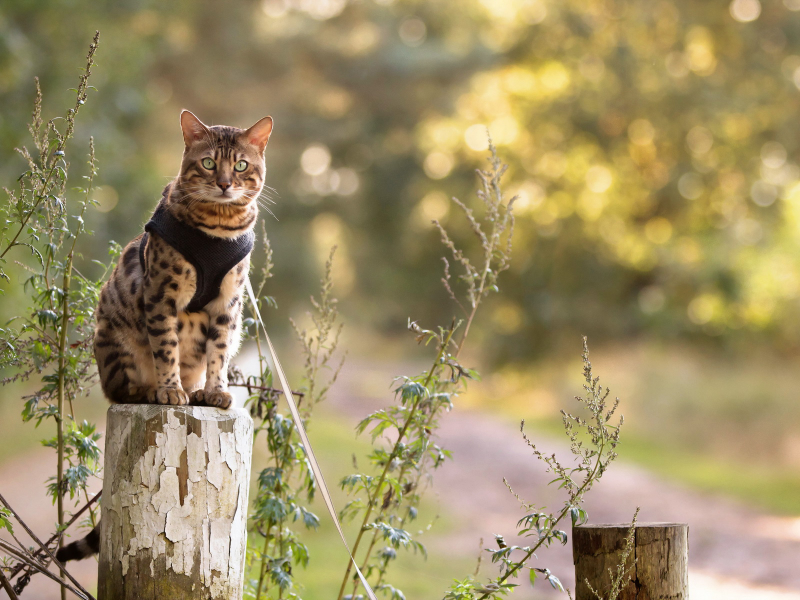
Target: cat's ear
pixel 193 128
pixel 258 134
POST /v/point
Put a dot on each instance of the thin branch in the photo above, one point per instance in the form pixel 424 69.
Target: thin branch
pixel 18 568
pixel 263 388
pixel 45 548
pixel 7 587
pixel 32 563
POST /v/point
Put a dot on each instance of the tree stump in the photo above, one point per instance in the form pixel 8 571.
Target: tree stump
pixel 174 504
pixel 661 552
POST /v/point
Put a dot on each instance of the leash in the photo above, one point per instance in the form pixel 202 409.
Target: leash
pixel 283 385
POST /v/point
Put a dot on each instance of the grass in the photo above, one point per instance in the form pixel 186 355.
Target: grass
pixel 773 488
pixel 718 422
pixel 768 487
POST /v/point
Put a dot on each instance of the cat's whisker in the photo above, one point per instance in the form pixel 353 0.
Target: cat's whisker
pixel 271 213
pixel 261 197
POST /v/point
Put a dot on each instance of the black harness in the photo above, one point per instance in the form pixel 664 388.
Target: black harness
pixel 212 257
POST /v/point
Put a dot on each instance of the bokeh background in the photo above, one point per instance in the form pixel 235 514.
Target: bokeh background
pixel 654 146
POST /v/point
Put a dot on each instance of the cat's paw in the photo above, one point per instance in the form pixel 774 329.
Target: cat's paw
pixel 215 398
pixel 173 396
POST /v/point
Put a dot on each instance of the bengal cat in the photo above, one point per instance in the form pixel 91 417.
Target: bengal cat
pixel 169 316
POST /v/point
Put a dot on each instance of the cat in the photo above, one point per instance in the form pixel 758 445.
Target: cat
pixel 169 317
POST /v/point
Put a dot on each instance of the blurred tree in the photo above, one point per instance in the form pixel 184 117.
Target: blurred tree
pixel 653 145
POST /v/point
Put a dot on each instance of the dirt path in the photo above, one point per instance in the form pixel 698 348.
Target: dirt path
pixel 735 551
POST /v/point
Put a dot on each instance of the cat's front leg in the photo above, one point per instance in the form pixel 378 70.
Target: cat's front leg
pixel 224 329
pixel 161 295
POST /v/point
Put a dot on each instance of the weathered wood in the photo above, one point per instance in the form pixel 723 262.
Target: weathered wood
pixel 661 552
pixel 174 504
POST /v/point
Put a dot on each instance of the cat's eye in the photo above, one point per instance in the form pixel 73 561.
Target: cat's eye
pixel 240 166
pixel 209 163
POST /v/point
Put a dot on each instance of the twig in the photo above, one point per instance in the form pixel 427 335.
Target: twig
pixel 7 587
pixel 20 556
pixel 19 567
pixel 45 548
pixel 264 388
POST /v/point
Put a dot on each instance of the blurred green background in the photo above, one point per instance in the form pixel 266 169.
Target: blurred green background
pixel 654 147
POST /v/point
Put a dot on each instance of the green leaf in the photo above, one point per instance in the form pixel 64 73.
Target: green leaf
pixel 5 523
pixel 554 581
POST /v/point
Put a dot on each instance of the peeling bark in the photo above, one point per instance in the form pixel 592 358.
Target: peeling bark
pixel 174 503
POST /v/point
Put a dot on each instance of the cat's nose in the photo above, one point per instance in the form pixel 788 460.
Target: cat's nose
pixel 224 185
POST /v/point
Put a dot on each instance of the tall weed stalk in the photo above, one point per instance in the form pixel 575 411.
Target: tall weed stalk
pixel 287 484
pixel 387 498
pixel 51 339
pixel 593 443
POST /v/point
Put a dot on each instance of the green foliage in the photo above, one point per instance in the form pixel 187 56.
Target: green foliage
pixel 283 487
pixel 653 144
pixel 387 502
pixel 593 443
pixel 5 521
pixel 49 339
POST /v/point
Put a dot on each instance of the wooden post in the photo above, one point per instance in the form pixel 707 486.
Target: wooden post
pixel 174 504
pixel 661 551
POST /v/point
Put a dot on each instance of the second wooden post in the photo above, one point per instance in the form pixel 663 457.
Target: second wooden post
pixel 661 555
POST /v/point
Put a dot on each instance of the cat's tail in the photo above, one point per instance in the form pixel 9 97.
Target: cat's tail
pixel 83 548
pixel 115 383
pixel 122 395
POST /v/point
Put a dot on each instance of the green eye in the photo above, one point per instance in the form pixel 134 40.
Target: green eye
pixel 240 166
pixel 209 163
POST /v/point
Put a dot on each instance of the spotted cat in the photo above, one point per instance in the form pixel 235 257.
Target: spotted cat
pixel 169 317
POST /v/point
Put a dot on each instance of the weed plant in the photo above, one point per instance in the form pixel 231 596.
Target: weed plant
pixel 386 497
pixel 593 442
pixel 49 342
pixel 285 486
pixel 622 576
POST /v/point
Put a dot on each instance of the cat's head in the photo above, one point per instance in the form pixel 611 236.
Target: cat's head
pixel 223 164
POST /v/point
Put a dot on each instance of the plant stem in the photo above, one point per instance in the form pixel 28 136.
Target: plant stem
pixel 487 266
pixel 260 353
pixel 62 345
pixel 377 495
pixel 263 563
pixel 587 482
pixel 62 392
pixel 22 556
pixel 91 512
pixel 7 587
pixel 74 518
pixel 425 456
pixel 279 524
pixel 13 552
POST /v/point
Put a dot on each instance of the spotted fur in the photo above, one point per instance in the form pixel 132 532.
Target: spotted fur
pixel 148 347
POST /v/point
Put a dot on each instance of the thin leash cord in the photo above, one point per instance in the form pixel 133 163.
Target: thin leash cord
pixel 287 392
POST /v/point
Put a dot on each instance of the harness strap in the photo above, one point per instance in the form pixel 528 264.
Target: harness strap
pixel 212 257
pixel 283 385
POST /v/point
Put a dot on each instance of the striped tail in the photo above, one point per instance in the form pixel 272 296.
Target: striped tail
pixel 83 548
